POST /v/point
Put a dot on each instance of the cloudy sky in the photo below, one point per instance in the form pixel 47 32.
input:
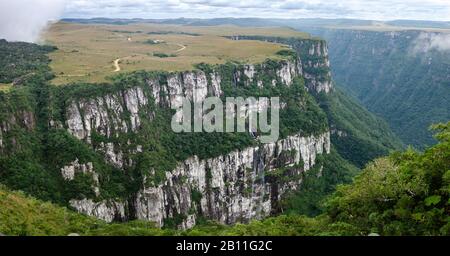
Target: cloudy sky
pixel 23 20
pixel 362 9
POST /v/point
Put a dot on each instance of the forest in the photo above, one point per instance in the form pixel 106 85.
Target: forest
pixel 405 193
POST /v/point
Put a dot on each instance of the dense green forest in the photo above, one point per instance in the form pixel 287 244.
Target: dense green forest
pixel 32 158
pixel 359 136
pixel 406 193
pixel 20 60
pixel 35 149
pixel 396 75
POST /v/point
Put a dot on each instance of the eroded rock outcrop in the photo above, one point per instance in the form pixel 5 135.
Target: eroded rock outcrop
pixel 107 210
pixel 104 115
pixel 313 62
pixel 236 187
pixel 23 120
pixel 114 114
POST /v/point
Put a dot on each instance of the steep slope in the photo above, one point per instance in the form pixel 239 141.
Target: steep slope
pixel 397 69
pixel 108 150
pixel 401 76
pixel 404 194
pixel 225 186
pixel 358 135
pixel 413 186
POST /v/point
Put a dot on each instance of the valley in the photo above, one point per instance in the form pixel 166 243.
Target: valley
pixel 397 69
pixel 401 75
pixel 87 147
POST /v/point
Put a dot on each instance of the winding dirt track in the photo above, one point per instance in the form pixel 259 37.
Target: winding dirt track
pixel 116 65
pixel 117 61
pixel 183 47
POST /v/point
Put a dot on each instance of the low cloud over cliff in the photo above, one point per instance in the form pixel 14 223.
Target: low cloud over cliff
pixel 426 42
pixel 23 20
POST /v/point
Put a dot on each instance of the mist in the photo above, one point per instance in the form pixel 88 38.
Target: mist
pixel 426 42
pixel 24 20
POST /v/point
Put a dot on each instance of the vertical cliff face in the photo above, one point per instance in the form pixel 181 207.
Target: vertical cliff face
pixel 117 113
pixel 105 114
pixel 15 117
pixel 238 186
pixel 110 116
pixel 95 138
pixel 313 61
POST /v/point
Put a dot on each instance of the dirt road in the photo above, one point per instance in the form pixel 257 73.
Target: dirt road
pixel 116 65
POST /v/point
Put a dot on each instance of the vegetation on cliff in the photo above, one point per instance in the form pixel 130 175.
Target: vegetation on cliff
pixel 358 135
pixel 404 194
pixel 21 60
pixel 396 76
pixel 36 144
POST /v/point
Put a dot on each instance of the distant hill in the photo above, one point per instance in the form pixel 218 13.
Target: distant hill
pixel 302 24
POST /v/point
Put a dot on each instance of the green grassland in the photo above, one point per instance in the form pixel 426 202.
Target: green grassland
pixel 91 53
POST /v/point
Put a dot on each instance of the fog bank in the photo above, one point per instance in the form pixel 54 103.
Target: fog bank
pixel 23 20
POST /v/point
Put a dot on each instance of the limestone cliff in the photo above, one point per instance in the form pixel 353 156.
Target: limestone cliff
pixel 232 188
pixel 313 60
pixel 94 140
pixel 229 188
pixel 104 115
pixel 14 118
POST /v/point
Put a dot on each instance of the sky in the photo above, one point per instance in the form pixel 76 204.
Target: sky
pixel 23 20
pixel 358 9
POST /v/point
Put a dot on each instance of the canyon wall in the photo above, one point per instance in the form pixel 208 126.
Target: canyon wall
pixel 109 121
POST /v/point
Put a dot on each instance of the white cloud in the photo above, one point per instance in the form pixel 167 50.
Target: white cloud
pixel 23 20
pixel 426 42
pixel 361 9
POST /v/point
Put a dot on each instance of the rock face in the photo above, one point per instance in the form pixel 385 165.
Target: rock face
pixel 313 62
pixel 104 115
pixel 191 85
pixel 68 173
pixel 23 119
pixel 108 211
pixel 235 187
